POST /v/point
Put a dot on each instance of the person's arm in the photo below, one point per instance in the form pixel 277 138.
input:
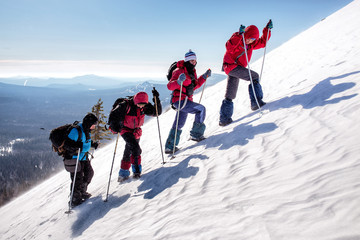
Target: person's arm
pixel 261 42
pixel 150 109
pixel 177 76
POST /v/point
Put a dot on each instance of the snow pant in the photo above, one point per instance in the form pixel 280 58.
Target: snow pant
pixel 190 107
pixel 198 125
pixel 131 156
pixel 83 178
pixel 237 73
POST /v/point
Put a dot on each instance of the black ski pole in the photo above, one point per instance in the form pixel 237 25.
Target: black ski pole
pixel 157 118
pixel 112 165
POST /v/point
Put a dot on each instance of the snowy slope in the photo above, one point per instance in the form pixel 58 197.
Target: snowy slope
pixel 292 173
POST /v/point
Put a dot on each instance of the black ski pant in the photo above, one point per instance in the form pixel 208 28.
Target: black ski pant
pixel 83 178
pixel 132 148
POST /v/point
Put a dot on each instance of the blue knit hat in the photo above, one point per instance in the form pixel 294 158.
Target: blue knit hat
pixel 190 55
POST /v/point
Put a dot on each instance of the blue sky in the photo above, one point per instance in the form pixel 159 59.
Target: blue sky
pixel 137 38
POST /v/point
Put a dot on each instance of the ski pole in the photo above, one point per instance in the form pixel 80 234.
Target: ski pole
pixel 262 66
pixel 202 92
pixel 177 121
pixel 247 60
pixel 74 179
pixel 157 117
pixel 112 165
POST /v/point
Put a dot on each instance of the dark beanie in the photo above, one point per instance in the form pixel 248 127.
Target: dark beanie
pixel 89 120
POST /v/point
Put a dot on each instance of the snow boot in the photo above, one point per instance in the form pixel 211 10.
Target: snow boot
pixel 170 151
pixel 76 200
pixel 226 112
pixel 197 131
pixel 136 166
pixel 170 140
pixel 86 195
pixel 123 175
pixel 259 95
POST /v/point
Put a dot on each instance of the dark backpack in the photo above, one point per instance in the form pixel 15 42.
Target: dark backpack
pixel 118 112
pixel 172 67
pixel 58 137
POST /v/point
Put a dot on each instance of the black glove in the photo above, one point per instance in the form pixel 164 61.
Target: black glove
pixel 74 144
pixel 155 93
pixel 115 129
pixel 94 144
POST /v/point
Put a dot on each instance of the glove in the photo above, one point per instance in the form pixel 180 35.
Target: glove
pixel 207 74
pixel 242 29
pixel 181 78
pixel 71 143
pixel 112 131
pixel 269 25
pixel 155 93
pixel 95 145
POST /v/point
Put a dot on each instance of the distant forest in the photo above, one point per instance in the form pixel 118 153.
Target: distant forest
pixel 28 114
pixel 30 162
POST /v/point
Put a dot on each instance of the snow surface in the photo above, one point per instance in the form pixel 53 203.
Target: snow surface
pixel 292 173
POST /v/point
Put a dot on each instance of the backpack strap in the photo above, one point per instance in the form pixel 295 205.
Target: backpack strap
pixel 78 128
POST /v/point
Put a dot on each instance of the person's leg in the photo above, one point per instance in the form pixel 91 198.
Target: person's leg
pixel 227 106
pixel 258 94
pixel 77 194
pixel 70 165
pixel 132 148
pixel 243 73
pixel 169 145
pixel 88 175
pixel 136 165
pixel 132 151
pixel 198 129
pixel 182 114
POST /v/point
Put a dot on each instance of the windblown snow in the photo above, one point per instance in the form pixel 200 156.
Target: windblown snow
pixel 291 173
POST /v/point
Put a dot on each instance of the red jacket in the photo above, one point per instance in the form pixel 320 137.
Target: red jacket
pixel 133 120
pixel 175 87
pixel 135 116
pixel 235 52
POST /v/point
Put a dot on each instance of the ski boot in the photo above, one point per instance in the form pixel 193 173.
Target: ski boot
pixel 123 175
